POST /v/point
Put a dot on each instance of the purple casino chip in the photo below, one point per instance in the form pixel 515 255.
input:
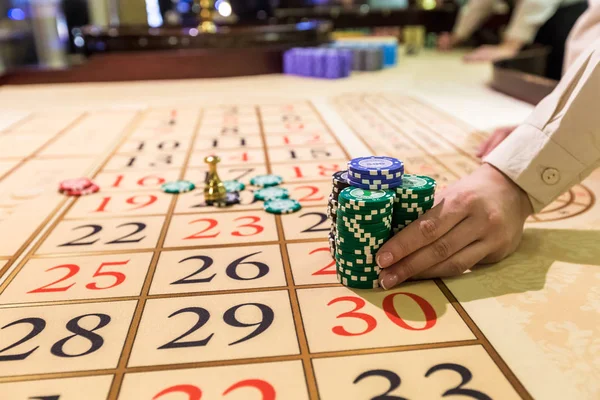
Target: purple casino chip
pixel 346 59
pixel 288 61
pixel 320 62
pixel 334 65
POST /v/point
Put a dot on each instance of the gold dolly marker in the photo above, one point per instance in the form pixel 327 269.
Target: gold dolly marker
pixel 214 191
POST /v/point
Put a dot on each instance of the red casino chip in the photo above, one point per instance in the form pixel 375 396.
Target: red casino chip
pixel 93 188
pixel 75 184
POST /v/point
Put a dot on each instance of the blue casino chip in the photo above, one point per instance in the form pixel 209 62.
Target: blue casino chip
pixel 385 178
pixel 376 165
pixel 375 186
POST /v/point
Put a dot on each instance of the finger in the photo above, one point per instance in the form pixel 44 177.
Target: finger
pixel 430 226
pixel 483 148
pixel 445 247
pixel 458 263
pixel 494 142
pixel 475 55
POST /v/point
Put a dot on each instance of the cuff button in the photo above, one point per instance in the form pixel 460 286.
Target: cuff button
pixel 551 176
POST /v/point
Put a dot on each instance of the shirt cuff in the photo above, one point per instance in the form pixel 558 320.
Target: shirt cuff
pixel 524 33
pixel 538 165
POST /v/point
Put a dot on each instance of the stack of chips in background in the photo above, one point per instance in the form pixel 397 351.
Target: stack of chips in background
pixel 364 220
pixel 340 58
pixel 340 182
pixel 371 55
pixel 318 62
pixel 413 198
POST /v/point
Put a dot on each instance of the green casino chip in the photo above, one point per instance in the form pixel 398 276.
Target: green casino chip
pixel 371 227
pixel 374 284
pixel 355 261
pixel 361 243
pixel 266 180
pixel 416 184
pixel 366 198
pixel 361 219
pixel 271 193
pixel 355 233
pixel 408 206
pixel 353 210
pixel 177 187
pixel 365 252
pixel 234 186
pixel 357 270
pixel 358 274
pixel 359 249
pixel 350 234
pixel 282 206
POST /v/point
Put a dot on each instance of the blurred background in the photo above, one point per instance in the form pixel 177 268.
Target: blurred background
pixel 62 34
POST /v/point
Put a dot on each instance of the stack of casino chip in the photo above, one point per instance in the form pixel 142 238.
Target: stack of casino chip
pixel 363 224
pixel 370 55
pixel 318 62
pixel 340 182
pixel 413 198
pixel 375 173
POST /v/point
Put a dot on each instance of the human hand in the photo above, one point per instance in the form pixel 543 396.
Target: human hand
pixel 478 219
pixel 494 140
pixel 445 42
pixel 493 53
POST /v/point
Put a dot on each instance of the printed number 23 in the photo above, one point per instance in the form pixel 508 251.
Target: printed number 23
pixel 248 229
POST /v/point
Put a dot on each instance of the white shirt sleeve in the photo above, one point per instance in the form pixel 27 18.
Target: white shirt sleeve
pixel 471 16
pixel 528 17
pixel 559 144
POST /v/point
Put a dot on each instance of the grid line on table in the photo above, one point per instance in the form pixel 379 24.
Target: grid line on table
pixel 429 129
pixel 142 298
pixel 66 204
pixel 16 124
pixel 54 211
pixel 42 147
pixel 93 170
pixel 309 375
pixel 243 361
pixel 407 136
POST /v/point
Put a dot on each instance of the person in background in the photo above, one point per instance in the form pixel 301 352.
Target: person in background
pixel 542 22
pixel 480 219
pixel 584 32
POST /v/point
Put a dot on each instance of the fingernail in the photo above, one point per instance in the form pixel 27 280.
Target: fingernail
pixel 389 281
pixel 384 259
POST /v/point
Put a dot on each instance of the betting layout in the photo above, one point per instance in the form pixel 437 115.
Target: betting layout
pixel 37 150
pixel 137 293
